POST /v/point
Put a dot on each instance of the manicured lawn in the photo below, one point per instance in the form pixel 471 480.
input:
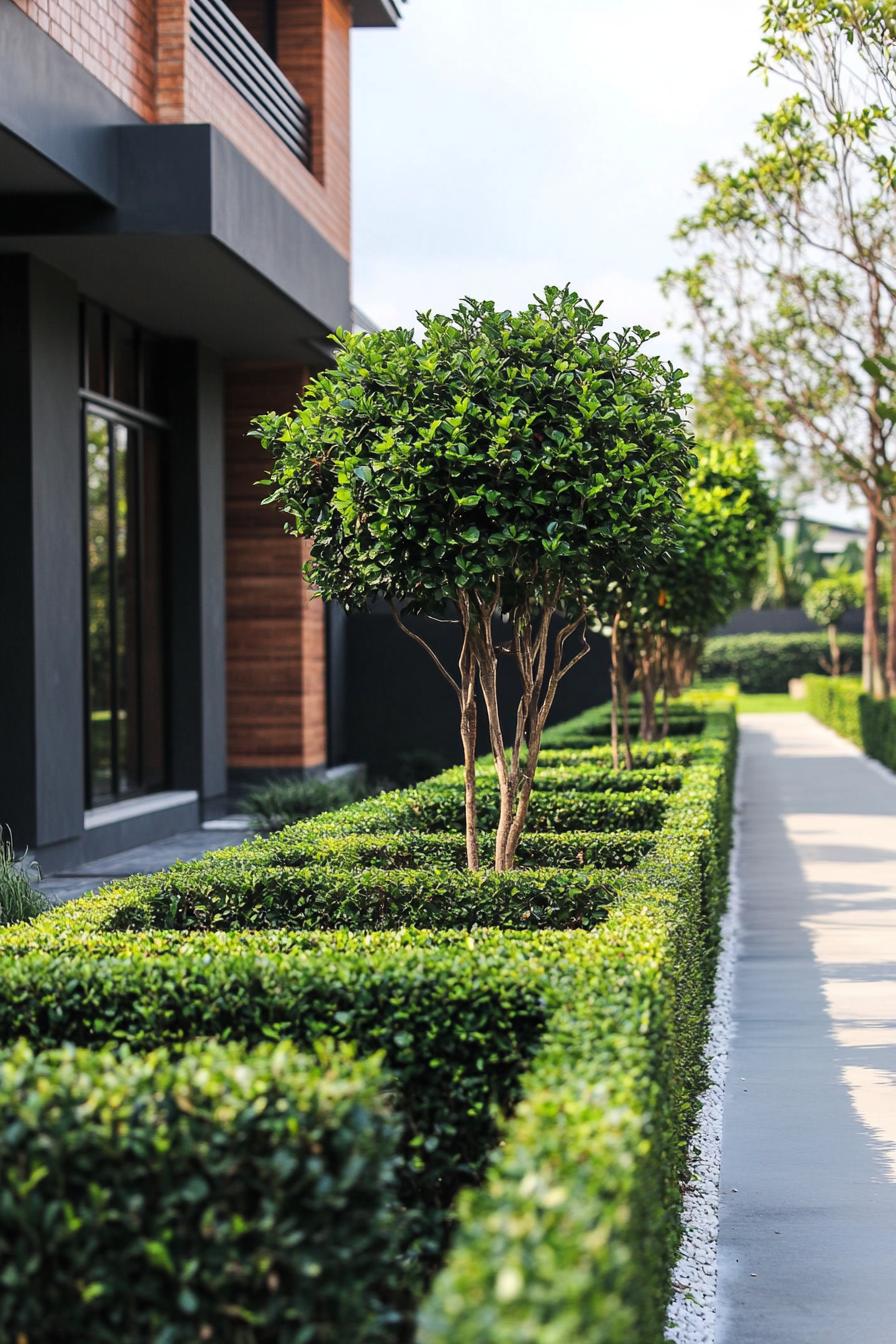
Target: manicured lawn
pixel 758 703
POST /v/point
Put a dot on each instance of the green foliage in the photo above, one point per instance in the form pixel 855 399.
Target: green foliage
pixel 492 472
pixel 430 807
pixel 424 849
pixel 843 706
pixel 280 802
pixel 19 897
pixel 765 662
pixel 791 565
pixel 210 1193
pixel 728 514
pixel 572 1235
pixel 829 599
pixel 223 895
pixel 593 727
pixel 580 1048
pixel 511 452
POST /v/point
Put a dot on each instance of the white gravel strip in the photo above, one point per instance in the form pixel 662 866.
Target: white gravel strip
pixel 692 1311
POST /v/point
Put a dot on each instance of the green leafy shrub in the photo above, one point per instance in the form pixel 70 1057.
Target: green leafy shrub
pixel 456 1015
pixel 574 778
pixel 593 727
pixel 424 849
pixel 436 808
pixel 219 895
pixel 280 802
pixel 581 1048
pixel 768 662
pixel 843 706
pixel 574 1231
pixel 19 897
pixel 219 1193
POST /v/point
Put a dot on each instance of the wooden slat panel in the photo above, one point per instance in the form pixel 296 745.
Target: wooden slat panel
pixel 276 666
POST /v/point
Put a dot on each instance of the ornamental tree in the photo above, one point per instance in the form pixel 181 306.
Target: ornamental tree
pixel 658 619
pixel 486 473
pixel 826 603
pixel 791 274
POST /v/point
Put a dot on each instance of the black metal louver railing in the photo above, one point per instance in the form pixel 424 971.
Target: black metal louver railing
pixel 233 51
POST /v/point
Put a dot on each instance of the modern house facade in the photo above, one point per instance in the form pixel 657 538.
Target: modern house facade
pixel 174 249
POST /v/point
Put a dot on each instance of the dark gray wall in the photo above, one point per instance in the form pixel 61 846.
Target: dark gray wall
pixel 396 701
pixel 782 621
pixel 41 671
pixel 196 562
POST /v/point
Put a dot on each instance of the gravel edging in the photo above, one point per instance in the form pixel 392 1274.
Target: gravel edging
pixel 692 1311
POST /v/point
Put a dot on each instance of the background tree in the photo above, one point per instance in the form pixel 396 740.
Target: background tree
pixel 826 603
pixel 658 619
pixel 790 565
pixel 792 278
pixel 487 473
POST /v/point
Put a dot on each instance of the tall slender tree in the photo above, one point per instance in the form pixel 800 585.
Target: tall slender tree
pixel 791 279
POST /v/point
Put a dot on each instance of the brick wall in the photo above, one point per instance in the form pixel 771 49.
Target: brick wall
pixel 141 50
pixel 276 633
pixel 113 39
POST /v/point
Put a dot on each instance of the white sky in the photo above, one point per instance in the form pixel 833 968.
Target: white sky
pixel 501 145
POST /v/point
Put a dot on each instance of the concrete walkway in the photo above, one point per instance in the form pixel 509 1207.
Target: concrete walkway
pixel 807 1237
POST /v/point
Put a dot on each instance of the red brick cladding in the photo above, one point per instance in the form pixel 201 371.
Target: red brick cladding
pixel 140 49
pixel 113 39
pixel 276 643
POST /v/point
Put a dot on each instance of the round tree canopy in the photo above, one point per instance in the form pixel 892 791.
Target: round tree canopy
pixel 526 455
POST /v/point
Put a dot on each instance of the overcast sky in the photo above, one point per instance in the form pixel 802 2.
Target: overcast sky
pixel 501 145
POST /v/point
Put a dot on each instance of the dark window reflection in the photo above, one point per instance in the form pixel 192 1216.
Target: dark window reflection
pixel 125 607
pixel 99 619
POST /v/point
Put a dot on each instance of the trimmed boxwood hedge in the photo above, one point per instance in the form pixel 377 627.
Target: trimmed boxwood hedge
pixel 220 1193
pixel 841 703
pixel 455 1015
pixel 220 895
pixel 439 807
pixel 434 849
pixel 766 662
pixel 686 717
pixel 573 1234
pixel 595 1034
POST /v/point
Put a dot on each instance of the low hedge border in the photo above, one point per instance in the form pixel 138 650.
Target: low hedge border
pixel 573 1232
pixel 767 662
pixel 224 895
pixel 841 704
pixel 115 1173
pixel 441 808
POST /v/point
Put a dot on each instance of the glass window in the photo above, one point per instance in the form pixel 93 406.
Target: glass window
pixel 125 638
pixel 99 616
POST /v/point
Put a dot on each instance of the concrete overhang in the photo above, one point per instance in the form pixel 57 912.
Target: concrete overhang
pixel 170 225
pixel 376 13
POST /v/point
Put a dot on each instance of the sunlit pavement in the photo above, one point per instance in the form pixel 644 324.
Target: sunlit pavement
pixel 807 1244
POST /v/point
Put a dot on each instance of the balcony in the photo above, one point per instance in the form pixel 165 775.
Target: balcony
pixel 233 51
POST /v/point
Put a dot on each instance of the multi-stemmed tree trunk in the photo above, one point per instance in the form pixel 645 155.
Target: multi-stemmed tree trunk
pixel 539 658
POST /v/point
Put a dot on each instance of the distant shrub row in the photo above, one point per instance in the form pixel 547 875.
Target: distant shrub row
pixel 768 662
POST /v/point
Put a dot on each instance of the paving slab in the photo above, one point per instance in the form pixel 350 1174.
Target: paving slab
pixel 807 1227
